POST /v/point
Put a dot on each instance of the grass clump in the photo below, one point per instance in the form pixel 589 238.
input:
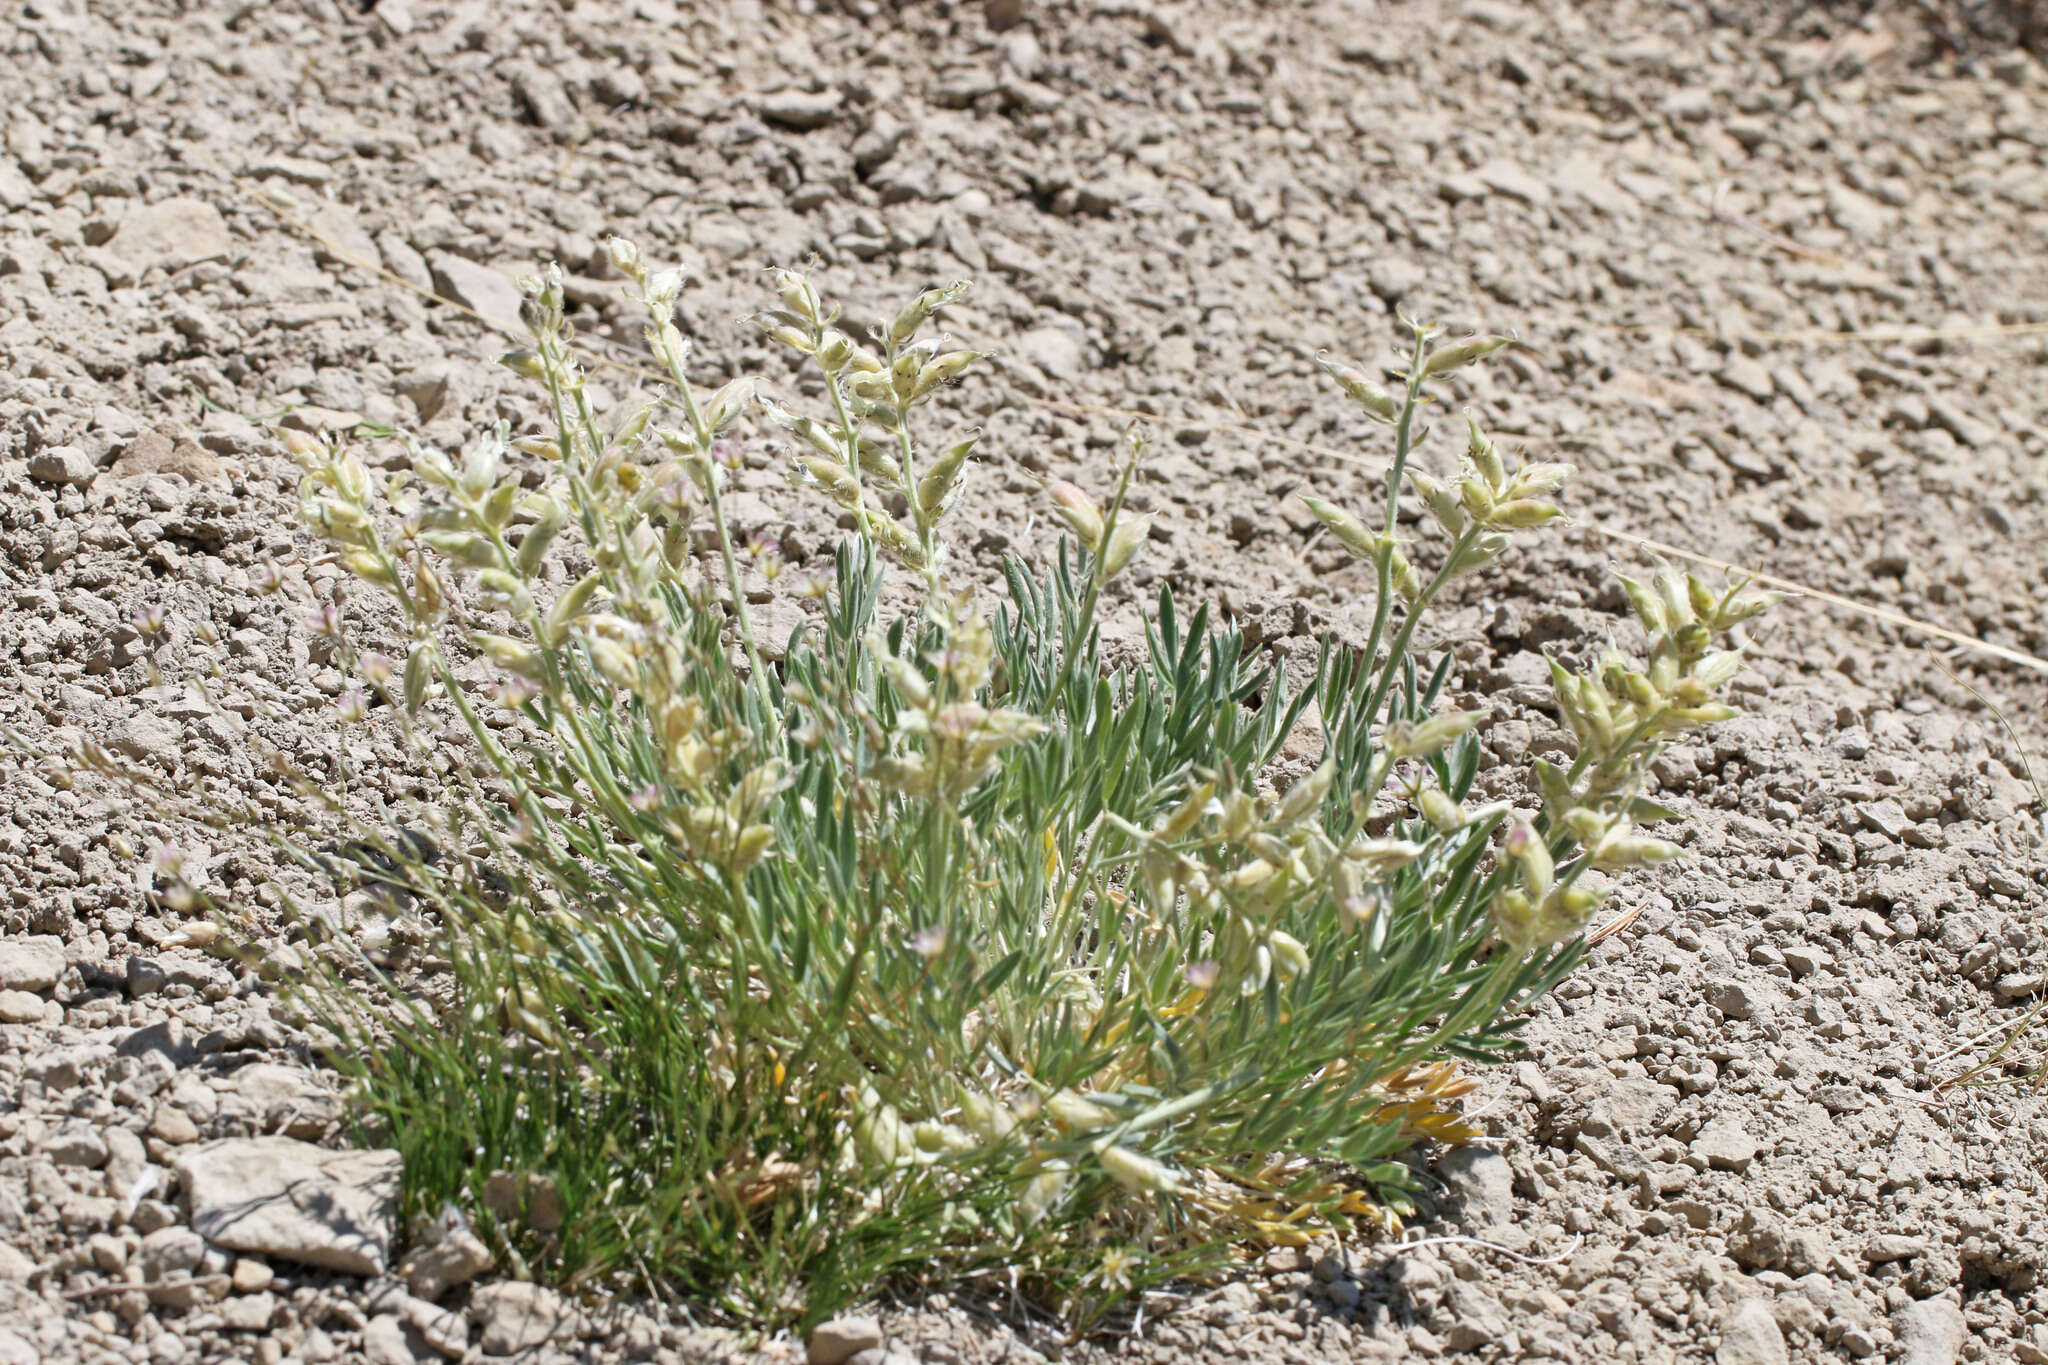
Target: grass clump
pixel 936 946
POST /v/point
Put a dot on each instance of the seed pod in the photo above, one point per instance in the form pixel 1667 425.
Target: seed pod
pixel 419 675
pixel 722 408
pixel 534 546
pixel 922 307
pixel 1444 815
pixel 514 656
pixel 1672 591
pixel 1289 954
pixel 1714 669
pixel 1376 401
pixel 1649 609
pixel 1479 448
pixel 613 660
pixel 1306 796
pixel 1459 354
pixel 831 476
pixel 1078 511
pixel 797 295
pixel 1350 532
pixel 1431 735
pixel 1137 1173
pixel 568 607
pixel 1634 850
pixel 945 370
pixel 1523 513
pixel 1528 849
pixel 1443 504
pixel 1187 813
pixel 472 551
pixel 370 567
pixel 625 256
pixel 1125 539
pixel 835 349
pixel 940 480
pixel 1072 1110
pixel 496 512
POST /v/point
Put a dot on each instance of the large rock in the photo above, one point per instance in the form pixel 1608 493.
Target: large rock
pixel 173 233
pixel 31 963
pixel 1750 1336
pixel 490 293
pixel 289 1199
pixel 1931 1332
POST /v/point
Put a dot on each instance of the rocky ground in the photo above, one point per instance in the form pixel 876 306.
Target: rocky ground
pixel 1729 1139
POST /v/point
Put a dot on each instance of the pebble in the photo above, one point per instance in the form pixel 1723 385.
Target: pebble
pixel 66 466
pixel 836 1340
pixel 801 109
pixel 1725 1147
pixel 517 1316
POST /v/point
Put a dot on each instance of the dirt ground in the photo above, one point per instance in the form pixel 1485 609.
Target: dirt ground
pixel 1729 1140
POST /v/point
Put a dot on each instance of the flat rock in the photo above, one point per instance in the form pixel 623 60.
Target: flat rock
pixel 31 963
pixel 1484 1184
pixel 491 293
pixel 172 233
pixel 1054 350
pixel 1510 179
pixel 1930 1331
pixel 280 1197
pixel 1725 1147
pixel 1750 1336
pixel 1748 376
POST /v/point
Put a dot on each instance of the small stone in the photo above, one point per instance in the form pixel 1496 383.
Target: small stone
pixel 31 963
pixel 837 1340
pixel 249 1313
pixel 478 288
pixel 62 465
pixel 1748 376
pixel 14 1265
pixel 145 736
pixel 1930 1331
pixel 1725 1147
pixel 15 1350
pixel 20 1007
pixel 171 1253
pixel 289 1199
pixel 1483 1183
pixel 173 1125
pixel 456 1259
pixel 389 1340
pixel 1893 1246
pixel 1750 1336
pixel 250 1276
pixel 801 109
pixel 1508 178
pixel 77 1143
pixel 444 1329
pixel 517 1316
pixel 172 233
pixel 1733 998
pixel 1056 351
